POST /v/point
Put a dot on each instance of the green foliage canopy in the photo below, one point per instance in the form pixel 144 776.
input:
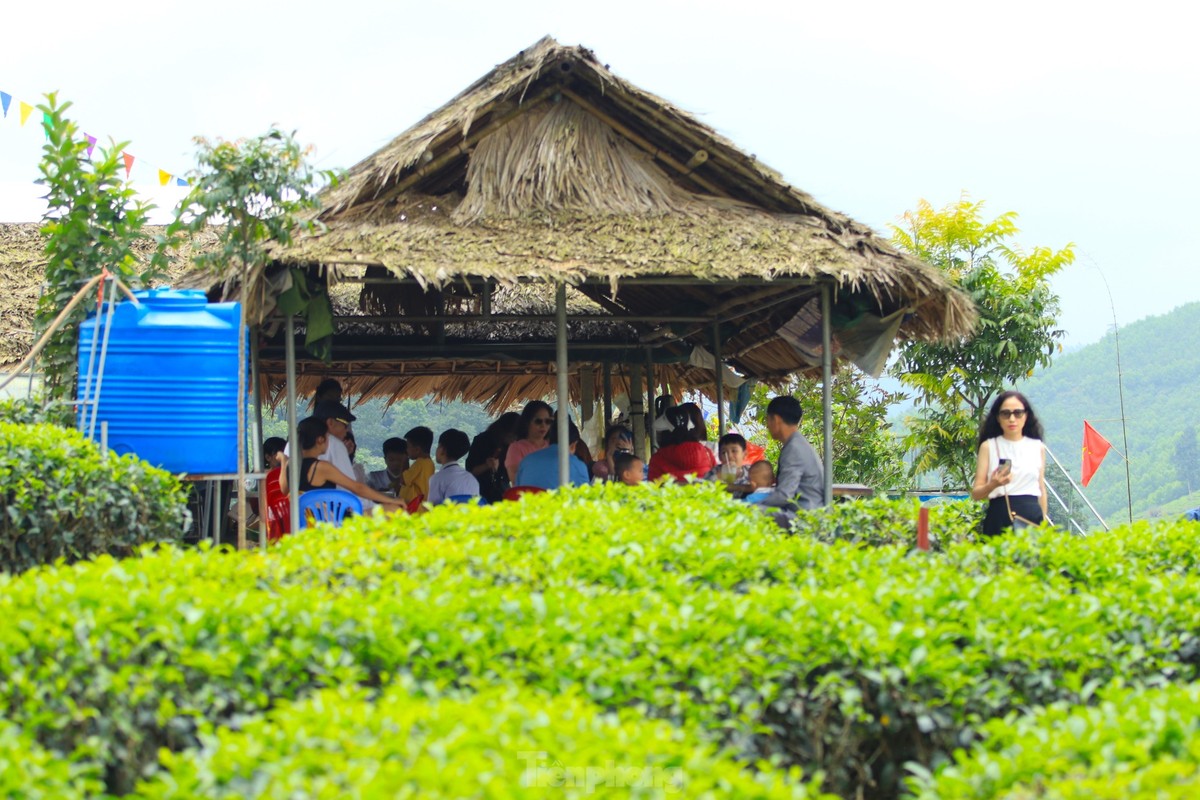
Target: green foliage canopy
pixel 92 222
pixel 1018 315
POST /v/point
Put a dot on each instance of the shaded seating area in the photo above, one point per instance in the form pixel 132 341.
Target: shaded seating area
pixel 557 231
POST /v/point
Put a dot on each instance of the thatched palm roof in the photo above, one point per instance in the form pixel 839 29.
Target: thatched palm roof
pixel 23 271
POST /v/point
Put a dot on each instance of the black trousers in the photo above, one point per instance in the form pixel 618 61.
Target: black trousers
pixel 997 520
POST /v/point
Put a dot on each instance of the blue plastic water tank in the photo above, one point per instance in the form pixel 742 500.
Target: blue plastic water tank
pixel 169 390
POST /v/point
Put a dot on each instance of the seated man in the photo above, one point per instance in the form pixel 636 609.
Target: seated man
pixel 800 482
pixel 540 468
pixel 451 480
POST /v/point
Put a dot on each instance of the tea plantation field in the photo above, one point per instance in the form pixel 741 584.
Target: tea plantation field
pixel 608 641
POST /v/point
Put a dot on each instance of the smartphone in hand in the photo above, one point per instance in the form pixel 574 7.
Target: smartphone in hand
pixel 1005 466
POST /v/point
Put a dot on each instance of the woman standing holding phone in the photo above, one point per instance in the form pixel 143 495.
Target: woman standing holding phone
pixel 1011 468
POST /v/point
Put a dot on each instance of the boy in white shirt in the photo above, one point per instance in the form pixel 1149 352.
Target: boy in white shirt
pixel 452 480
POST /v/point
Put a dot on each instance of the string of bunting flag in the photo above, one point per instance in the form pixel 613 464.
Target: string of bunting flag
pixel 25 110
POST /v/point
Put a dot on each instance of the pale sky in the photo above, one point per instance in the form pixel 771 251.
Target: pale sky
pixel 1082 117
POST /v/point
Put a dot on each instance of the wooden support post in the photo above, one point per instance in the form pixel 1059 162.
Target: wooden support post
pixel 564 399
pixel 293 439
pixel 607 376
pixel 651 418
pixel 637 411
pixel 827 384
pixel 720 379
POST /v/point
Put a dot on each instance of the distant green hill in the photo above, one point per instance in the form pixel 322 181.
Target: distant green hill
pixel 1160 361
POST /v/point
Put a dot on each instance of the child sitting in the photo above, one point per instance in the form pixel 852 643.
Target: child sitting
pixel 452 480
pixel 629 469
pixel 733 468
pixel 395 459
pixel 762 482
pixel 414 483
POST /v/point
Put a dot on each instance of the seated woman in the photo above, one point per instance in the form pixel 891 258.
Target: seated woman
pixel 315 474
pixel 685 455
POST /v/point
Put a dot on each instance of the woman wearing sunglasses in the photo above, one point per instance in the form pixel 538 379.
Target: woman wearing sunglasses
pixel 532 433
pixel 1011 468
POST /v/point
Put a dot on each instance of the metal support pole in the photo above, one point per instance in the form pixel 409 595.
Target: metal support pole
pixel 607 377
pixel 240 489
pixel 827 385
pixel 650 416
pixel 1075 486
pixel 720 376
pixel 564 400
pixel 293 439
pixel 99 382
pixel 637 412
pixel 256 437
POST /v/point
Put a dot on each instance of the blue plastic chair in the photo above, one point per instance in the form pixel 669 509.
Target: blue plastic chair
pixel 328 505
pixel 467 498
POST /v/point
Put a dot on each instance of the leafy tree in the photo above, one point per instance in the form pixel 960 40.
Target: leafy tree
pixel 92 223
pixel 1187 458
pixel 864 448
pixel 1017 332
pixel 253 194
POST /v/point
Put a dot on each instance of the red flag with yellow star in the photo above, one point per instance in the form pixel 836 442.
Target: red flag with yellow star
pixel 1095 447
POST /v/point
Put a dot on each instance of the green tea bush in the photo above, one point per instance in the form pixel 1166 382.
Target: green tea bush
pixel 63 499
pixel 412 742
pixel 880 521
pixel 670 603
pixel 28 770
pixel 32 411
pixel 1139 743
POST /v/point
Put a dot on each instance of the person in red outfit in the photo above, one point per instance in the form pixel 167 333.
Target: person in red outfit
pixel 685 455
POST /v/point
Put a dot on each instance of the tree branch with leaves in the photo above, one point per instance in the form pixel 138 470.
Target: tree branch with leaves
pixel 1017 333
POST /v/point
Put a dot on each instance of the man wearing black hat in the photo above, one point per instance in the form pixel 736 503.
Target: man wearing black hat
pixel 337 421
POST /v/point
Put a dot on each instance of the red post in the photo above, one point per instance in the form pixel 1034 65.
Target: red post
pixel 923 529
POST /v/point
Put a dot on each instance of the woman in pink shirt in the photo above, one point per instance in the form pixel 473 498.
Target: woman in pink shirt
pixel 536 419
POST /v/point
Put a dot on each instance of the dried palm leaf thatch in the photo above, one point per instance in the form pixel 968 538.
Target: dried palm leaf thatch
pixel 23 271
pixel 497 386
pixel 558 157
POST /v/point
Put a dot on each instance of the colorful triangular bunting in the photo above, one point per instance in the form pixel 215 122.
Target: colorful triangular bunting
pixel 181 182
pixel 6 101
pixel 91 140
pixel 128 163
pixel 26 110
pixel 163 178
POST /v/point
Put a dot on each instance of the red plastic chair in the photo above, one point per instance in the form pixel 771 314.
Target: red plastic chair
pixel 278 516
pixel 515 492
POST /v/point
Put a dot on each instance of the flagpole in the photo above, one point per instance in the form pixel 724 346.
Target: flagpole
pixel 1120 388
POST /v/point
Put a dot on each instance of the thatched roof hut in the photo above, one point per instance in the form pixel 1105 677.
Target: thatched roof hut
pixel 551 168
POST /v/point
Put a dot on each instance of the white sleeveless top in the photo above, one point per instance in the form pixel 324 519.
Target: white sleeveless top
pixel 1027 461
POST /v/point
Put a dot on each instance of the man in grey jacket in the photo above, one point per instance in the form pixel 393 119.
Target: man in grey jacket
pixel 799 481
